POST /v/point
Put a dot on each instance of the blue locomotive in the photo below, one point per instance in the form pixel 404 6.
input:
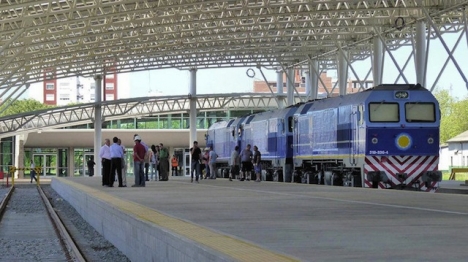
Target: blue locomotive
pixel 383 137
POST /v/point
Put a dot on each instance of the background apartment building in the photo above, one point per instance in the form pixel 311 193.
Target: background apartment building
pixel 78 89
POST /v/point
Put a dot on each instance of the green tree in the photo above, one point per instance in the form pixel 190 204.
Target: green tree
pixel 455 123
pixel 21 106
pixel 446 102
pixel 453 112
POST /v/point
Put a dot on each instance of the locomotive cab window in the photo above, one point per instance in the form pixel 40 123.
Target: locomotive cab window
pixel 420 112
pixel 290 123
pixel 384 112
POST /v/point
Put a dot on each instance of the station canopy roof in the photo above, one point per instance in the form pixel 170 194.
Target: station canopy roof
pixel 89 37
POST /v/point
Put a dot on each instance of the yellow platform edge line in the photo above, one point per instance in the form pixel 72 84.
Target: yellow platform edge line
pixel 235 248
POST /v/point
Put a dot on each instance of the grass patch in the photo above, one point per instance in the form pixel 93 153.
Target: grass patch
pixel 458 176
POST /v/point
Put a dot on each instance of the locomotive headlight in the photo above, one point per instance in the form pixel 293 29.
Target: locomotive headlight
pixel 403 141
pixel 430 140
pixel 375 140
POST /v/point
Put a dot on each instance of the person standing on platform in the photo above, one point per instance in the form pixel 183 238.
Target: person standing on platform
pixel 148 157
pixel 105 156
pixel 204 163
pixel 138 162
pixel 124 164
pixel 174 164
pixel 33 171
pixel 195 153
pixel 163 162
pixel 116 153
pixel 235 163
pixel 90 165
pixel 212 163
pixel 246 161
pixel 156 159
pixel 153 164
pixel 257 158
pixel 141 142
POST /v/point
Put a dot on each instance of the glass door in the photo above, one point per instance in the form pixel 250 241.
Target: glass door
pixel 48 162
pixel 39 162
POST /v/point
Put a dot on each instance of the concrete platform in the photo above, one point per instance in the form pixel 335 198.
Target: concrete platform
pixel 218 220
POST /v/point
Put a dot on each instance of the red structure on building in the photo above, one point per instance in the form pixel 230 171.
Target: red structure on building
pixel 110 84
pixel 50 87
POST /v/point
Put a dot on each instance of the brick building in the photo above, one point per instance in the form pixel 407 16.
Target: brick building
pixel 299 83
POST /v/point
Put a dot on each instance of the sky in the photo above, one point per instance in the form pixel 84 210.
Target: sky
pixel 209 81
pixel 235 80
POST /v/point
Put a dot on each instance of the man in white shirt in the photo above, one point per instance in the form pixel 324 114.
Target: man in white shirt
pixel 117 155
pixel 105 156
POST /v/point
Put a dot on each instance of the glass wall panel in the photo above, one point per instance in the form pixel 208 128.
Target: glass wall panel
pixel 27 162
pixel 127 123
pixel 62 160
pixel 80 159
pixel 129 163
pixel 7 153
pixel 50 165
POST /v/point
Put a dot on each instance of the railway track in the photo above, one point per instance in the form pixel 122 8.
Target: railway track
pixel 30 229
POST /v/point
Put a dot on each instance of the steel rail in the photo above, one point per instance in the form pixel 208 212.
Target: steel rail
pixel 61 230
pixel 5 200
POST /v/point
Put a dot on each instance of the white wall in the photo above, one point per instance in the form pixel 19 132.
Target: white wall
pixel 36 92
pixel 455 154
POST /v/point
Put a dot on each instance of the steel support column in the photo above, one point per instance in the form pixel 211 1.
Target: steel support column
pixel 193 105
pixel 71 162
pixel 98 124
pixel 290 86
pixel 342 72
pixel 420 59
pixel 279 88
pixel 19 155
pixel 307 82
pixel 314 78
pixel 377 62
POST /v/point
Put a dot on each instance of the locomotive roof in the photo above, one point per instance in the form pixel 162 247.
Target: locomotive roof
pixel 317 103
pixel 332 102
pixel 398 87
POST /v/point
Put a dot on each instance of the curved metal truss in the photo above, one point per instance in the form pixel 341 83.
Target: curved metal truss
pixel 129 108
pixel 78 37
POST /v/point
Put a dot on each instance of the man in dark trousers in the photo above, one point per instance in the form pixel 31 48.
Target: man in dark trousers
pixel 117 155
pixel 105 156
pixel 195 153
pixel 163 162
